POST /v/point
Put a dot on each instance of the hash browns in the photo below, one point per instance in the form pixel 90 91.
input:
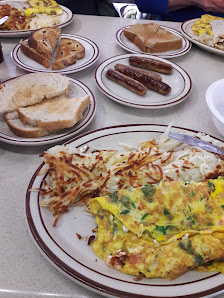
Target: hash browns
pixel 17 19
pixel 75 177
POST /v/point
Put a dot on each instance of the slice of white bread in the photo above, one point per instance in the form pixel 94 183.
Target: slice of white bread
pixel 31 89
pixel 44 40
pixel 151 38
pixel 53 117
pixel 68 52
pixel 23 130
pixel 33 54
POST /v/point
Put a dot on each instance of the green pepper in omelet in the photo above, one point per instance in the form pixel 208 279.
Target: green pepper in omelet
pixel 169 210
pixel 129 253
pixel 162 230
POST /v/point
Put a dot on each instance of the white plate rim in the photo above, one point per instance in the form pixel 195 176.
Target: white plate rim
pixel 50 139
pixel 181 52
pixel 17 33
pixel 201 45
pixel 95 284
pixel 74 68
pixel 121 100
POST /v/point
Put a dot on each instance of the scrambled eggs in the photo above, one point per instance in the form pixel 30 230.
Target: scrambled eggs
pixel 162 230
pixel 49 7
pixel 203 26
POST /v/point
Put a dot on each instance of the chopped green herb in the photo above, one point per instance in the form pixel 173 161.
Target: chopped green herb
pixel 209 263
pixel 150 200
pixel 192 194
pixel 187 246
pixel 212 186
pixel 148 270
pixel 133 205
pixel 114 197
pixel 148 190
pixel 144 216
pixel 125 201
pixel 189 207
pixel 198 259
pixel 201 199
pixel 166 212
pixel 222 206
pixel 191 218
pixel 210 224
pixel 124 212
pixel 162 229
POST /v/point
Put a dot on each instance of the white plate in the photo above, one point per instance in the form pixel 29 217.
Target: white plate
pixel 179 81
pixel 91 55
pixel 75 258
pixel 132 48
pixel 189 34
pixel 77 89
pixel 67 18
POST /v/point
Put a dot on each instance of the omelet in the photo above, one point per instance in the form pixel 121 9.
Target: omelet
pixel 203 26
pixel 169 210
pixel 49 7
pixel 132 254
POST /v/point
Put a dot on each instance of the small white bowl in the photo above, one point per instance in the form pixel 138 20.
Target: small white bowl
pixel 215 102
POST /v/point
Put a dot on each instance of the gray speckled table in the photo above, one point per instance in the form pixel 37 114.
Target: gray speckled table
pixel 24 270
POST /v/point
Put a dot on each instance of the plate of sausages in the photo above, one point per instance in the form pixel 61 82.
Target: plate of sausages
pixel 143 81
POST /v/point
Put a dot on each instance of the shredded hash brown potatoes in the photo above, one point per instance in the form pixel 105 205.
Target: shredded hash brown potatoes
pixel 75 176
pixel 120 188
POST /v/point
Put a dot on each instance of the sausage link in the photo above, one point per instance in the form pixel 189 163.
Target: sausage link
pixel 126 82
pixel 150 83
pixel 122 68
pixel 151 64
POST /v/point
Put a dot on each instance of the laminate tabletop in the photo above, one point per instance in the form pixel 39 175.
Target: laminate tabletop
pixel 25 272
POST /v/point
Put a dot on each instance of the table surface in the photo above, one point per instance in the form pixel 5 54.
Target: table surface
pixel 24 270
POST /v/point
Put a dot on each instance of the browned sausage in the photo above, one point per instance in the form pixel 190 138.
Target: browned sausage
pixel 148 73
pixel 151 64
pixel 126 82
pixel 150 83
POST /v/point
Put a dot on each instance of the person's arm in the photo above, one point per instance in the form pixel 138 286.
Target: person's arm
pixel 178 4
pixel 153 6
pixel 206 5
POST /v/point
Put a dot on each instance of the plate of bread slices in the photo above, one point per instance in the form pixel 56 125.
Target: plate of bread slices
pixel 143 81
pixel 47 50
pixel 153 39
pixel 43 108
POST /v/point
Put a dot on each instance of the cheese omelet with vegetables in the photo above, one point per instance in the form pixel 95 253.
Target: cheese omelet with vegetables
pixel 162 230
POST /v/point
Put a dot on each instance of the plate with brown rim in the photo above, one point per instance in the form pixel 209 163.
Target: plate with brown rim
pixel 74 257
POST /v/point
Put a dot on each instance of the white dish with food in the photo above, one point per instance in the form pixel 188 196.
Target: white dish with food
pixel 77 89
pixel 91 56
pixel 65 19
pixel 132 48
pixel 189 34
pixel 179 81
pixel 66 244
pixel 214 98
